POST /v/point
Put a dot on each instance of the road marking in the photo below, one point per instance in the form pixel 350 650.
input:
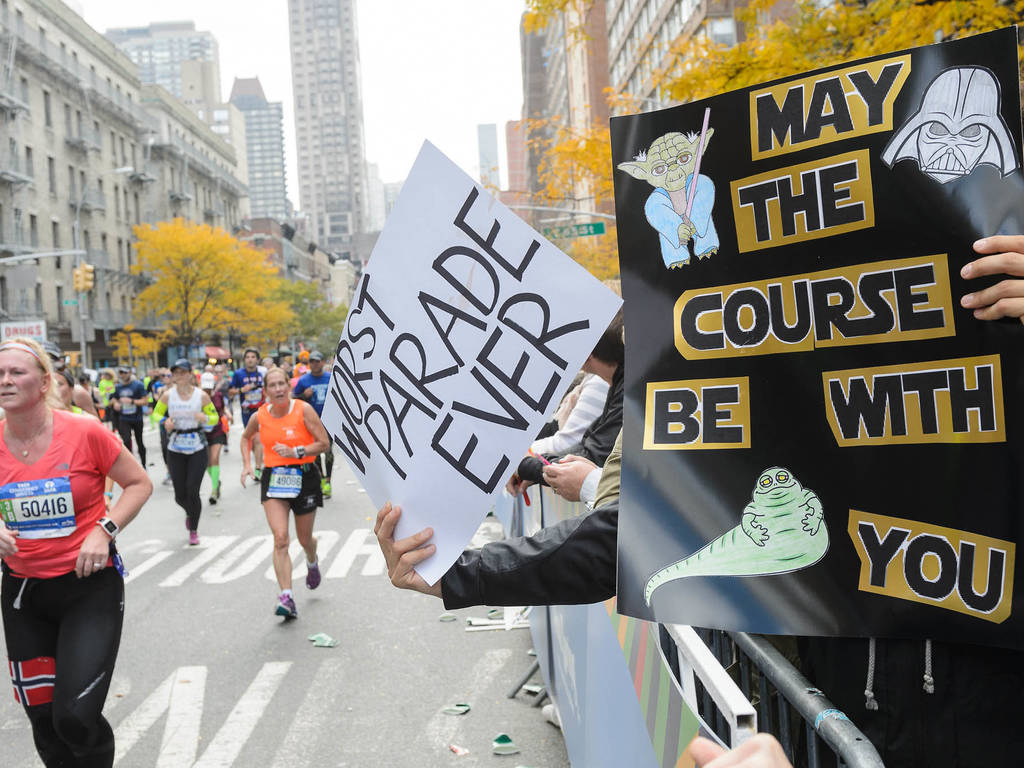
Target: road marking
pixel 184 714
pixel 311 719
pixel 134 571
pixel 222 572
pixel 325 542
pixel 146 715
pixel 208 550
pixel 231 737
pixel 353 547
pixel 441 728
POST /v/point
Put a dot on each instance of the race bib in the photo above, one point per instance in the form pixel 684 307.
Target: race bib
pixel 285 483
pixel 127 409
pixel 186 442
pixel 38 509
pixel 253 396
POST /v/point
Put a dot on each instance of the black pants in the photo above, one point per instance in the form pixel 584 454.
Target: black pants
pixel 125 429
pixel 72 627
pixel 186 470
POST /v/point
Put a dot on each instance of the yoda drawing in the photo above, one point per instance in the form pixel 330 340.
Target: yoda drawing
pixel 683 199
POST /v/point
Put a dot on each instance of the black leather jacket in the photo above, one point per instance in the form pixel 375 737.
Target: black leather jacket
pixel 572 562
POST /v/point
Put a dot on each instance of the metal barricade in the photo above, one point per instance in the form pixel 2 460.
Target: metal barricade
pixel 812 732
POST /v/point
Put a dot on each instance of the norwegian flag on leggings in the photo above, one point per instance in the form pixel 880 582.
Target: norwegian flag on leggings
pixel 33 680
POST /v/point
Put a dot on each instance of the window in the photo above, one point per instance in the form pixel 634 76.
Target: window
pixel 137 221
pixel 51 173
pixel 55 237
pixel 67 120
pixel 28 162
pixel 71 182
pixel 24 89
pixel 117 202
pixel 47 113
pixel 60 303
pixel 33 231
pixel 39 295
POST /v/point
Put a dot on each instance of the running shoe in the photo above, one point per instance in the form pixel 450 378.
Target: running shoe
pixel 325 488
pixel 193 538
pixel 166 480
pixel 313 575
pixel 212 499
pixel 286 607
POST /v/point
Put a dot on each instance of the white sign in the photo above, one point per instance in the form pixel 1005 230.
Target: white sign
pixel 28 329
pixel 464 331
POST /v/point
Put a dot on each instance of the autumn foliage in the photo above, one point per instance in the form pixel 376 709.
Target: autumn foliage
pixel 802 36
pixel 205 282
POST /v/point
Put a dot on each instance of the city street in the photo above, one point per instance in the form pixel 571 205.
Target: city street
pixel 208 676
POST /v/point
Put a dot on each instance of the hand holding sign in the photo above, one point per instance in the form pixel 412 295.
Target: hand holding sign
pixel 1004 299
pixel 402 556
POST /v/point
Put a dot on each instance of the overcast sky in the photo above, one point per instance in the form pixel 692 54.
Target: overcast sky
pixel 430 70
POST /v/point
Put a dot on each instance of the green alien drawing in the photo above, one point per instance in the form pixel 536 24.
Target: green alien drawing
pixel 680 207
pixel 782 530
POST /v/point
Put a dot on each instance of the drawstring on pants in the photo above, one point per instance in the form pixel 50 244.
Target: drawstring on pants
pixel 17 600
pixel 929 681
pixel 869 694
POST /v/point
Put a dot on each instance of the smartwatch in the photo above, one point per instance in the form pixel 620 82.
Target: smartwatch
pixel 300 451
pixel 109 526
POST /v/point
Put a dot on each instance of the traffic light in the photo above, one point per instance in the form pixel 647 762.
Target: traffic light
pixel 83 277
pixel 88 276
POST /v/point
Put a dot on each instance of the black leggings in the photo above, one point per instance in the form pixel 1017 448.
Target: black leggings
pixel 69 627
pixel 125 429
pixel 186 471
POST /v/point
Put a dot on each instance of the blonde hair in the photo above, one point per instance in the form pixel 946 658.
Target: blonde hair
pixel 35 349
pixel 280 371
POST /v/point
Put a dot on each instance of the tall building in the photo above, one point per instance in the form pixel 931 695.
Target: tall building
pixel 159 49
pixel 264 142
pixel 329 122
pixel 641 37
pixel 487 146
pixel 91 153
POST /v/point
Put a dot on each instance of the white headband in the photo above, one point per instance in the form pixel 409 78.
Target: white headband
pixel 22 347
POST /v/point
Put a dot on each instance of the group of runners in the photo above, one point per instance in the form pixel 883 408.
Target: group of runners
pixel 62 594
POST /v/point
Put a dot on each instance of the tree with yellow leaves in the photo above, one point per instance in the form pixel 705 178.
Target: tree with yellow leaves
pixel 131 345
pixel 808 36
pixel 205 282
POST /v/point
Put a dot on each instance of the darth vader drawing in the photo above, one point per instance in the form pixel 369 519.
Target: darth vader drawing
pixel 957 128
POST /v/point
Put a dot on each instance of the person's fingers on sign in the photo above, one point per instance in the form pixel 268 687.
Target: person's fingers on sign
pixel 1004 256
pixel 403 555
pixel 760 751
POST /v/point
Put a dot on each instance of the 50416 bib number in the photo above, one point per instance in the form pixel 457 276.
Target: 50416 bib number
pixel 38 509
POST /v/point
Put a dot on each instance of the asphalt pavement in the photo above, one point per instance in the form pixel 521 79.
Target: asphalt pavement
pixel 208 676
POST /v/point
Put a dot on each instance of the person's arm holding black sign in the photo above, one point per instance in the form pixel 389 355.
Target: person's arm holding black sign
pixel 1005 256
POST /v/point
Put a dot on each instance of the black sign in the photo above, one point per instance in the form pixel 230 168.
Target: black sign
pixel 818 438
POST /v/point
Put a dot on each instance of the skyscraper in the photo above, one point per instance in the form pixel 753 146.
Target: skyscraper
pixel 159 49
pixel 329 121
pixel 487 146
pixel 264 141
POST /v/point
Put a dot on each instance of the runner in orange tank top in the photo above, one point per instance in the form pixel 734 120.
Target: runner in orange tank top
pixel 292 436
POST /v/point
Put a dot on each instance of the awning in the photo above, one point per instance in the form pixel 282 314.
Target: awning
pixel 217 353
